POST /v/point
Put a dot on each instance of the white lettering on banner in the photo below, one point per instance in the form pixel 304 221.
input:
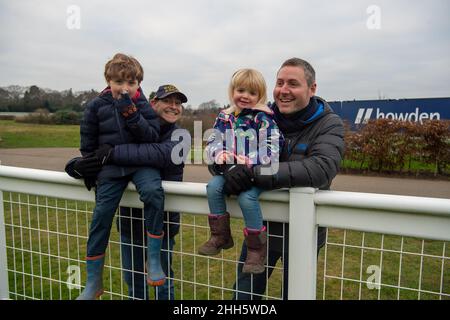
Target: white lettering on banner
pixel 413 116
pixel 364 115
pixel 360 118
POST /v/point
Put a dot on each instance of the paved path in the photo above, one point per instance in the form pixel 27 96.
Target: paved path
pixel 55 159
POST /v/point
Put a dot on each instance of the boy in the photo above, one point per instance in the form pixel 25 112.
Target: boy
pixel 121 115
pixel 167 103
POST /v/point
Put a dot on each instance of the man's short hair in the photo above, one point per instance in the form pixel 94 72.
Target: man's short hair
pixel 310 74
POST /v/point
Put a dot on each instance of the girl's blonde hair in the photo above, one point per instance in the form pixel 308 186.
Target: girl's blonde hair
pixel 249 79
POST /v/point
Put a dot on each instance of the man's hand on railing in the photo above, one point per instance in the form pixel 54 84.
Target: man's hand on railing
pixel 104 154
pixel 90 183
pixel 238 177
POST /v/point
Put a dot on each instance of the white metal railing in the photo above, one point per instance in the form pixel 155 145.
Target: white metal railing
pixel 304 208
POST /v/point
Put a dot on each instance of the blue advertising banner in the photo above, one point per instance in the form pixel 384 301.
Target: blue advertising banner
pixel 358 112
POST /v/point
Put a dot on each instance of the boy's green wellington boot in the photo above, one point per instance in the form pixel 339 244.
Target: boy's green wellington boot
pixel 155 273
pixel 94 283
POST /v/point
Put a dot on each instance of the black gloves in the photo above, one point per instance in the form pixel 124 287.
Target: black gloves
pixel 124 102
pixel 89 166
pixel 86 167
pixel 104 154
pixel 217 169
pixel 126 106
pixel 238 178
pixel 90 183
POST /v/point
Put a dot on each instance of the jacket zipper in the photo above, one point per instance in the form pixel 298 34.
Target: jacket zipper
pixel 116 113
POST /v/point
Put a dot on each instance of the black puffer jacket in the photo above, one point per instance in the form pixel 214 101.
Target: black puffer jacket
pixel 157 155
pixel 313 150
pixel 103 124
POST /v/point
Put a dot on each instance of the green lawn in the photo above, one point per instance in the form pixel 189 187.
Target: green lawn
pixel 27 135
pixel 45 236
pixel 415 167
pixel 24 135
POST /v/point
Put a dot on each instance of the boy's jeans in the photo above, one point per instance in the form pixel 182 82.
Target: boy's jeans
pixel 248 202
pixel 107 198
pixel 133 262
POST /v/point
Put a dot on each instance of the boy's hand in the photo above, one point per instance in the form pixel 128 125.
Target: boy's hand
pixel 125 105
pixel 87 167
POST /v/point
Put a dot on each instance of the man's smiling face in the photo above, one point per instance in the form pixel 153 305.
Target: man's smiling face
pixel 292 92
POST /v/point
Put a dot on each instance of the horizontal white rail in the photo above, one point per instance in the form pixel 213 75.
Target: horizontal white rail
pixel 304 208
pixel 410 216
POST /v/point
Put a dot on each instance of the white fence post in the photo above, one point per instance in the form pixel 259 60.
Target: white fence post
pixel 302 244
pixel 4 285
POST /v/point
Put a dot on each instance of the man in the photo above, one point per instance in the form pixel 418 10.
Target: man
pixel 314 146
pixel 167 103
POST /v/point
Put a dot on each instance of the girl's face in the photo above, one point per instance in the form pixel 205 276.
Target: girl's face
pixel 244 98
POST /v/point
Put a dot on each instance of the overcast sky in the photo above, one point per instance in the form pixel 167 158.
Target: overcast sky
pixel 198 44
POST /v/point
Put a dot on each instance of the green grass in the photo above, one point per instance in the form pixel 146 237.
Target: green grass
pixel 389 260
pixel 416 167
pixel 26 135
pixel 45 236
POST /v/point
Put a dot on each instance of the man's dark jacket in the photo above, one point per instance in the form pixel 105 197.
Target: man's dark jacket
pixel 311 156
pixel 156 155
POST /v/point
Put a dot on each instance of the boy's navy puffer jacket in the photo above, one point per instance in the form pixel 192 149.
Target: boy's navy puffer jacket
pixel 104 124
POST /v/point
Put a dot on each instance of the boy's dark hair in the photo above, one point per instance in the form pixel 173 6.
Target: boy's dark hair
pixel 310 74
pixel 124 67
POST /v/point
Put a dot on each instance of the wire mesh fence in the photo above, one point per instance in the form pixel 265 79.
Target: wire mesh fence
pixel 361 265
pixel 46 244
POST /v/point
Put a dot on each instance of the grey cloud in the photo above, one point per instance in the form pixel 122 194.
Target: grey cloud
pixel 198 44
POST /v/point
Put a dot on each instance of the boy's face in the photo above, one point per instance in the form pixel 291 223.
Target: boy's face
pixel 169 108
pixel 119 86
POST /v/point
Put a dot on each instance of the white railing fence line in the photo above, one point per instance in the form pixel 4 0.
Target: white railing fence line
pixel 304 208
